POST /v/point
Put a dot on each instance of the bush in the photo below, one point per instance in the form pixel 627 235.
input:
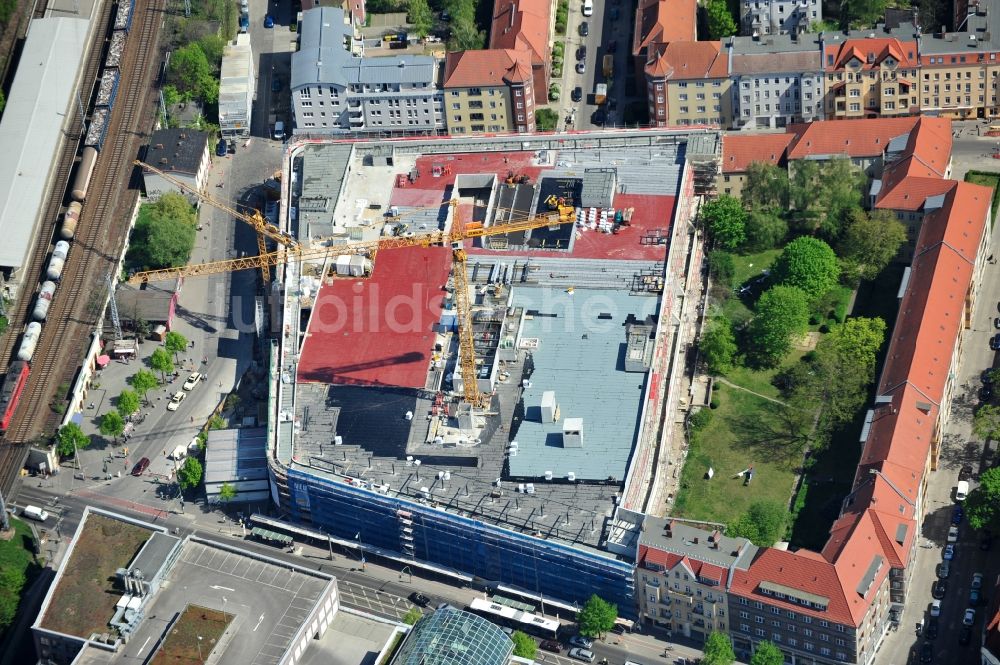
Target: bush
pixel 546 119
pixel 714 404
pixel 700 420
pixel 722 268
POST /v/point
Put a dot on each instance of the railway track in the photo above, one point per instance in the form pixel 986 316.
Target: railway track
pixel 100 236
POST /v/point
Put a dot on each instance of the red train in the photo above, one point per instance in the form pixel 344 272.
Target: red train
pixel 10 393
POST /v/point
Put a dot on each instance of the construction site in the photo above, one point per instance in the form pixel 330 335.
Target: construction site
pixel 480 351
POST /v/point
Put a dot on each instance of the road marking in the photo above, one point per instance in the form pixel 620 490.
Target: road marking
pixel 259 621
pixel 143 647
pixel 220 588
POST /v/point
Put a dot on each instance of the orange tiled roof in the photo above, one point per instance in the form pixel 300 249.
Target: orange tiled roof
pixel 917 173
pixel 738 151
pixel 664 21
pixel 669 561
pixel 519 24
pixel 486 68
pixel 853 138
pixel 871 53
pixel 688 60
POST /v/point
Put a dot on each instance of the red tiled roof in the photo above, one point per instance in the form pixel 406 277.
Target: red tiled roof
pixel 664 21
pixel 854 138
pixel 738 151
pixel 680 61
pixel 669 561
pixel 871 52
pixel 917 173
pixel 910 192
pixel 521 24
pixel 486 68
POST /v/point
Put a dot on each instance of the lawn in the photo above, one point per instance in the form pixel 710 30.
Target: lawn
pixel 748 272
pixel 990 179
pixel 17 567
pixel 731 442
pixel 192 637
pixel 84 601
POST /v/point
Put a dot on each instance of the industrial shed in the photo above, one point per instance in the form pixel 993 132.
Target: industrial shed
pixel 237 457
pixel 32 131
pixel 236 89
pixel 152 302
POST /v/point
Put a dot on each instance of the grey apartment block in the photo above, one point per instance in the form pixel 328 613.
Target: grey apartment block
pixel 779 17
pixel 336 89
pixel 776 81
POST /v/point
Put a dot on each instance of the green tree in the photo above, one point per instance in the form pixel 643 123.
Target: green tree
pixel 802 183
pixel 227 492
pixel 546 120
pixel 164 233
pixel 718 650
pixel 112 424
pixel 597 617
pixel 189 475
pixel 71 438
pixel 986 422
pixel 143 381
pixel 161 361
pixel 412 616
pixel 128 402
pixel 862 14
pixel 982 506
pixel 720 20
pixel 765 229
pixel 870 241
pixel 214 47
pixel 217 422
pixel 175 343
pixel 190 71
pixel 763 523
pixel 725 220
pixel 782 313
pixel 767 654
pixel 718 345
pixel 722 268
pixel 420 17
pixel 841 184
pixel 809 264
pixel 766 186
pixel 524 645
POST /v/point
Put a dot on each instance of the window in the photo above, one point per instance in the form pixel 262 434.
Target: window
pixel 775 610
pixel 824 637
pixel 794 642
pixel 776 624
pixel 824 623
pixel 808 646
pixel 760 633
pixel 745 628
pixel 840 642
pixel 759 619
pixel 825 651
pixel 807 632
pixel 776 637
pixel 681 97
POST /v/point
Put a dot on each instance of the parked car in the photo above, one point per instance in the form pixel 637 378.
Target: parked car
pixel 965 636
pixel 957 515
pixel 996 323
pixel 551 645
pixel 588 7
pixel 975 597
pixel 420 599
pixel 581 641
pixel 585 31
pixel 953 534
pixel 612 46
pixel 931 629
pixel 176 400
pixel 192 381
pixel 961 490
pixel 581 53
pixel 977 581
pixel 268 21
pixel 949 551
pixel 221 149
pixel 140 466
pixel 935 608
pixel 939 589
pixel 577 94
pixel 585 655
pixel 994 341
pixel 986 540
pixel 599 117
pixel 926 652
pixel 275 84
pixel 969 618
pixel 943 570
pixel 581 67
pixel 965 473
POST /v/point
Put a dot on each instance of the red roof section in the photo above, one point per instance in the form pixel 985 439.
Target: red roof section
pixel 854 138
pixel 664 21
pixel 739 151
pixel 378 331
pixel 670 561
pixel 689 60
pixel 522 24
pixel 871 52
pixel 917 173
pixel 486 68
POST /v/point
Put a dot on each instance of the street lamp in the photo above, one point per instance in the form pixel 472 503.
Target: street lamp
pixel 361 549
pixel 200 657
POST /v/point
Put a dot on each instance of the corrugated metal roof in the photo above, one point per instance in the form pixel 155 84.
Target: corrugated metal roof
pixel 578 356
pixel 236 455
pixel 31 130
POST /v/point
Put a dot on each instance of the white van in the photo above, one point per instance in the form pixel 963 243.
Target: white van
pixel 179 453
pixel 35 513
pixel 962 490
pixel 588 7
pixel 279 130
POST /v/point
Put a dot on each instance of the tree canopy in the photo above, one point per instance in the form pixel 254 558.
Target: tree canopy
pixel 765 229
pixel 767 653
pixel 763 523
pixel 227 492
pixel 128 402
pixel 189 475
pixel 822 195
pixel 809 264
pixel 465 34
pixel 192 74
pixel 597 616
pixel 412 616
pixel 143 381
pixel 720 19
pixel 862 13
pixel 718 650
pixel 983 503
pixel 782 313
pixel 112 424
pixel 524 645
pixel 175 343
pixel 870 241
pixel 164 233
pixel 986 422
pixel 722 268
pixel 161 361
pixel 418 13
pixel 71 438
pixel 718 345
pixel 766 186
pixel 725 220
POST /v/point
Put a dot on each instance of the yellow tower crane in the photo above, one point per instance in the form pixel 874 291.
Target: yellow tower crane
pixel 454 238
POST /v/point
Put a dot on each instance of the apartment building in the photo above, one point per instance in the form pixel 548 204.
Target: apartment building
pixel 335 89
pixel 682 573
pixel 779 17
pixel 662 22
pixel 489 91
pixel 738 152
pixel 775 82
pixel 870 77
pixel 526 25
pixel 688 84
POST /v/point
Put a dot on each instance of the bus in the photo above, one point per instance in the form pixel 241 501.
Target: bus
pixel 514 618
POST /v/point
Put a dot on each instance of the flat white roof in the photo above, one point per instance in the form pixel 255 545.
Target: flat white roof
pixel 235 78
pixel 31 129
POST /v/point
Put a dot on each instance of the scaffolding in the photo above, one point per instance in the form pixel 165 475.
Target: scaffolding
pixel 704 154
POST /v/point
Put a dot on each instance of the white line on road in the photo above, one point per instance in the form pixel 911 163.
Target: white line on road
pixel 220 588
pixel 259 621
pixel 143 647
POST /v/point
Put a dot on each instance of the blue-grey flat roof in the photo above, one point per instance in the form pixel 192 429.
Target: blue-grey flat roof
pixel 580 355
